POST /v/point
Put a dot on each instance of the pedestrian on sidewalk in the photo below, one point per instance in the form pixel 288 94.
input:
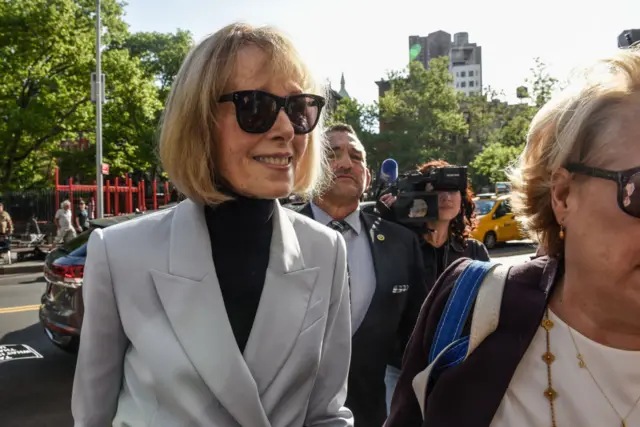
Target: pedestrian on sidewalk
pixel 6 230
pixel 64 224
pixel 6 225
pixel 82 217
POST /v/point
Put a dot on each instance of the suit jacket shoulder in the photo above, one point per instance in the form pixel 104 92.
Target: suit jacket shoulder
pixel 392 229
pixel 138 236
pixel 310 231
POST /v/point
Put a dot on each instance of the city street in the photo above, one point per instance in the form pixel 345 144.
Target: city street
pixel 36 392
pixel 33 392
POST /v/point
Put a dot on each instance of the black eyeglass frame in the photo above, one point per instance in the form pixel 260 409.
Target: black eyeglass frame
pixel 281 103
pixel 621 178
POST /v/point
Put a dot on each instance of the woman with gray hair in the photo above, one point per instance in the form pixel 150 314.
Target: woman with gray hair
pixel 227 310
pixel 566 349
pixel 64 224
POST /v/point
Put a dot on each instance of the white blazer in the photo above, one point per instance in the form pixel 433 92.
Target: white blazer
pixel 157 349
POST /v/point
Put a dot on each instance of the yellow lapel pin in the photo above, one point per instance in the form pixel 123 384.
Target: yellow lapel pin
pixel 380 237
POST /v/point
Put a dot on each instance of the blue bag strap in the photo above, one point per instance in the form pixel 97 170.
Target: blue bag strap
pixel 456 312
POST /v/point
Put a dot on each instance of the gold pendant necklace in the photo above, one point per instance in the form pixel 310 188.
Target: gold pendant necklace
pixel 548 357
pixel 582 364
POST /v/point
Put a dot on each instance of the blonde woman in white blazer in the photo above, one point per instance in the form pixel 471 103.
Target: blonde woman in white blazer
pixel 227 310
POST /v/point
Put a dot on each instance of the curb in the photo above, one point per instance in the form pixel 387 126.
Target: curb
pixel 526 251
pixel 20 269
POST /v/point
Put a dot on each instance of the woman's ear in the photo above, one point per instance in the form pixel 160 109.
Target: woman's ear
pixel 560 189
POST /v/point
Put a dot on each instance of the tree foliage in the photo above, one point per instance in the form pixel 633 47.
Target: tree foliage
pixel 420 118
pixel 506 141
pixel 44 81
pixel 48 51
pixel 491 163
pixel 161 55
pixel 364 119
pixel 542 83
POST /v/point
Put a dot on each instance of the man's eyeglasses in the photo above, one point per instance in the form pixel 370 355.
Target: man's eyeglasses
pixel 257 111
pixel 628 182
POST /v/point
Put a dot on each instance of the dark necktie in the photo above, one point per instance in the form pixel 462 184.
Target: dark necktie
pixel 339 226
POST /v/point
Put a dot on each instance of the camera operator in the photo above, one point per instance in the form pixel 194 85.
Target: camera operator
pixel 386 276
pixel 443 239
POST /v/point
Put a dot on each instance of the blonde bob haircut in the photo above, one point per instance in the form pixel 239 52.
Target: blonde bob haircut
pixel 188 131
pixel 572 127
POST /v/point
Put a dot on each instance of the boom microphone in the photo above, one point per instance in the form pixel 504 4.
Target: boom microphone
pixel 389 171
pixel 388 175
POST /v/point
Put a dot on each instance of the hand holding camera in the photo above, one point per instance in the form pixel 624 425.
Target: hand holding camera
pixel 388 200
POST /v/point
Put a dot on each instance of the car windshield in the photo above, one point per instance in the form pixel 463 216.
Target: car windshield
pixel 78 246
pixel 483 207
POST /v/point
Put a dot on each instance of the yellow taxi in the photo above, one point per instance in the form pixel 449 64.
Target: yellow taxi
pixel 495 221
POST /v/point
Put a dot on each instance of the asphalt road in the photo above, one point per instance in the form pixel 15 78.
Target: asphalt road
pixel 33 392
pixel 37 392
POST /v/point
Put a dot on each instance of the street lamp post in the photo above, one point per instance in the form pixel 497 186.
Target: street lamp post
pixel 98 97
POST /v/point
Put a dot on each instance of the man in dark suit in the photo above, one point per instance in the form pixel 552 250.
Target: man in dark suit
pixel 386 276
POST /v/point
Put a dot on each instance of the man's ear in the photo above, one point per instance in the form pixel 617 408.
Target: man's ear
pixel 560 190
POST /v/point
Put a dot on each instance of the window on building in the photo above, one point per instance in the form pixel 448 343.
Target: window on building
pixel 457 74
pixel 463 74
pixel 457 84
pixel 463 84
pixel 471 73
pixel 471 83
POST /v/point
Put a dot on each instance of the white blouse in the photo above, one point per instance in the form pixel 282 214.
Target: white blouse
pixel 579 402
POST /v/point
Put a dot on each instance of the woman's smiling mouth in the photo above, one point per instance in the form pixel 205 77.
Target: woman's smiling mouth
pixel 278 162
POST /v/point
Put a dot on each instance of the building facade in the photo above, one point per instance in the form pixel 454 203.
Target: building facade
pixel 465 59
pixel 432 46
pixel 465 64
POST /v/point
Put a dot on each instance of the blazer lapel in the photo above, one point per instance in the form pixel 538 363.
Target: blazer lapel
pixel 283 305
pixel 205 333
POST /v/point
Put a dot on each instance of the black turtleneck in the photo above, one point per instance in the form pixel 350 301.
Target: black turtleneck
pixel 240 232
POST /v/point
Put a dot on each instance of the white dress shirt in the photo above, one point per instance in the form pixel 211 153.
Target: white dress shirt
pixel 361 268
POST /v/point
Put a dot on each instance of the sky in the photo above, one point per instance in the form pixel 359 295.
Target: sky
pixel 367 39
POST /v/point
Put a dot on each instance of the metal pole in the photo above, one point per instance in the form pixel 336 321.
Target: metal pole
pixel 98 87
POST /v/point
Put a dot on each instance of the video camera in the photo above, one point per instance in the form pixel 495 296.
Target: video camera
pixel 417 197
pixel 628 39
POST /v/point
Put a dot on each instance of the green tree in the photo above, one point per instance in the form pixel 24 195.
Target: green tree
pixel 420 116
pixel 506 141
pixel 161 55
pixel 364 119
pixel 490 165
pixel 48 51
pixel 484 113
pixel 44 80
pixel 129 122
pixel 542 83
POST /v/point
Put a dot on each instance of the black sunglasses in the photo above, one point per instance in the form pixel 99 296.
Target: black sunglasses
pixel 628 185
pixel 257 111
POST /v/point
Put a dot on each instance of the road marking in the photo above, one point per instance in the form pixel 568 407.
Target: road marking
pixel 20 309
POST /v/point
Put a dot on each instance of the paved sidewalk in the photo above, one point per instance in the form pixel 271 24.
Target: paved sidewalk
pixel 22 267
